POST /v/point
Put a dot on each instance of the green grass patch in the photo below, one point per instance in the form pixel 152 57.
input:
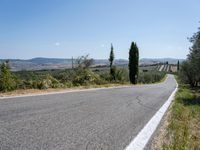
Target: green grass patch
pixel 183 132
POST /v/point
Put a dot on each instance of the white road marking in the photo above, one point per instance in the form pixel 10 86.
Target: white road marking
pixel 140 141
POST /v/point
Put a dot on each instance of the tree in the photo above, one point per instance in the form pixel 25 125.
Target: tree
pixel 190 69
pixel 178 66
pixel 112 57
pixel 133 63
pixel 111 60
pixel 6 79
pixel 84 62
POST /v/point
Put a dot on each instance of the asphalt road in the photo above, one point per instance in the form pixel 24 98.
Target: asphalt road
pixel 105 119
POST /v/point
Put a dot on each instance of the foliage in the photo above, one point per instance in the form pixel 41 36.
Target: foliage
pixel 178 65
pixel 83 74
pixel 184 121
pixel 86 77
pixel 112 68
pixel 112 57
pixel 7 82
pixel 151 76
pixel 121 75
pixel 133 63
pixel 84 62
pixel 190 69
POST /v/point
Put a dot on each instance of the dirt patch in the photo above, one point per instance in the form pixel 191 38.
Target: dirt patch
pixel 22 92
pixel 159 139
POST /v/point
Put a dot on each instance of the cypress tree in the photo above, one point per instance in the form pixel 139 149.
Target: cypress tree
pixel 178 65
pixel 133 63
pixel 111 59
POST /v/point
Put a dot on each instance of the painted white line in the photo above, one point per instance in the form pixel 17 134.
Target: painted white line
pixel 140 141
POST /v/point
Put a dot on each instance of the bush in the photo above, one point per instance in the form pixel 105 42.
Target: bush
pixel 121 75
pixel 86 77
pixel 150 77
pixel 7 82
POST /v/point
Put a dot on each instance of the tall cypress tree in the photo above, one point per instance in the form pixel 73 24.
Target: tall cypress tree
pixel 133 63
pixel 111 59
pixel 178 65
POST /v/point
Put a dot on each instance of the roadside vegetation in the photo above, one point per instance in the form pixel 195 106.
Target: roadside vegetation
pixel 182 130
pixel 81 75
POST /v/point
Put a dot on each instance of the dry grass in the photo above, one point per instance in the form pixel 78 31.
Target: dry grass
pixel 20 92
pixel 181 128
pixel 173 68
pixel 51 90
pixel 158 141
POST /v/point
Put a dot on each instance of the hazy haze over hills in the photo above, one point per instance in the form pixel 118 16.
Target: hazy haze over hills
pixel 40 63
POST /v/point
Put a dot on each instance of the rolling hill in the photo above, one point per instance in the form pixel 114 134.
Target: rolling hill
pixel 40 63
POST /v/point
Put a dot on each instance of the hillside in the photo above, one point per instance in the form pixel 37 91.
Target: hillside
pixel 40 63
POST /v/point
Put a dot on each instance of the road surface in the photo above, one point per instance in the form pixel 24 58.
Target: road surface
pixel 105 119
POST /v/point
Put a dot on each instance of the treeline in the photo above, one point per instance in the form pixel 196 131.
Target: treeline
pixel 81 75
pixel 190 69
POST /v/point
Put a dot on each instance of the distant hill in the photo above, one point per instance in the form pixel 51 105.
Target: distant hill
pixel 146 61
pixel 40 63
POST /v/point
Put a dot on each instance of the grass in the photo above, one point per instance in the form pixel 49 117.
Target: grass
pixel 39 91
pixel 49 90
pixel 183 129
pixel 149 67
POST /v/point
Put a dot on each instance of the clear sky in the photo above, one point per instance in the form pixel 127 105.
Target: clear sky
pixel 66 28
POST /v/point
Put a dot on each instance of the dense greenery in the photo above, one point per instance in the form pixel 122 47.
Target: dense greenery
pixel 112 68
pixel 133 63
pixel 150 76
pixel 178 65
pixel 112 57
pixel 6 79
pixel 184 121
pixel 190 69
pixel 82 74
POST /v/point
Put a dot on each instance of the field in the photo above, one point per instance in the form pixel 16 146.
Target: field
pixel 160 67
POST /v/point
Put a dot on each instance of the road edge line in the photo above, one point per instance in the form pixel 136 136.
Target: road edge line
pixel 142 138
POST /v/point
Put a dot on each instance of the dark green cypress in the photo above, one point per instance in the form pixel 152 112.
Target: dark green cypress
pixel 178 65
pixel 111 58
pixel 133 63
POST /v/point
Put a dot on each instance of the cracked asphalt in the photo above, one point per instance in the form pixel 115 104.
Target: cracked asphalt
pixel 105 119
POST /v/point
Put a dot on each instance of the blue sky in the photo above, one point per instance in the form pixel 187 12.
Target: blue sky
pixel 63 28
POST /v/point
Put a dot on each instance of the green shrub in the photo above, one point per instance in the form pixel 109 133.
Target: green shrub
pixel 122 75
pixel 151 76
pixel 7 82
pixel 86 77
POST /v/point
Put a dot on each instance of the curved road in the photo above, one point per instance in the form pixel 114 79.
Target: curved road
pixel 105 119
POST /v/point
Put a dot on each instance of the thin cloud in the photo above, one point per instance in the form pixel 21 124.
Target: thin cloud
pixel 57 44
pixel 102 45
